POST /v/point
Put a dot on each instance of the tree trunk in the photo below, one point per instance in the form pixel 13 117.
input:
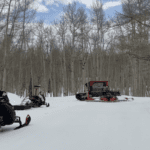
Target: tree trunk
pixel 19 83
pixel 83 78
pixel 97 65
pixel 54 80
pixel 44 76
pixel 31 70
pixel 72 77
pixel 5 51
pixel 4 64
pixel 64 75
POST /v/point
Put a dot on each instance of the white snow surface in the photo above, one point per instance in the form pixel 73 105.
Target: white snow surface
pixel 69 124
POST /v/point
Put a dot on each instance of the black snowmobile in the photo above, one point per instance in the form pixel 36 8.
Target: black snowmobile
pixel 35 100
pixel 7 113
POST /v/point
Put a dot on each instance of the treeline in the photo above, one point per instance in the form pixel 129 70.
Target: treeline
pixel 78 52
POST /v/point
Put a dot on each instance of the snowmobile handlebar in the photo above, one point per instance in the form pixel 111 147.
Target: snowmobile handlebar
pixel 23 100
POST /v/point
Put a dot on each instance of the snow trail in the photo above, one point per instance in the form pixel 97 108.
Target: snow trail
pixel 69 124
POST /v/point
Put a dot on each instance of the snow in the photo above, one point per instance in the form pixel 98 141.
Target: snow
pixel 69 124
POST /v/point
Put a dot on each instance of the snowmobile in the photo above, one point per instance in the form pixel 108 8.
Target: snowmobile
pixel 101 90
pixel 35 100
pixel 8 114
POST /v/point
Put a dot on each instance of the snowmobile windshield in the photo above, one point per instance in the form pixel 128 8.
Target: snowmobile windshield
pixel 97 86
pixel 3 95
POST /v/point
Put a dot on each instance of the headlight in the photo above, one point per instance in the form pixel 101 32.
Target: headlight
pixel 4 93
pixel 2 100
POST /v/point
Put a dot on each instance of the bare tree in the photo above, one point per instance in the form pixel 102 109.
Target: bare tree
pixel 83 38
pixel 73 19
pixel 98 19
pixel 61 28
pixel 5 52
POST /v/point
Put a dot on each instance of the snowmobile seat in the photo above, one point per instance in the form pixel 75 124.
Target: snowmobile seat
pixel 6 110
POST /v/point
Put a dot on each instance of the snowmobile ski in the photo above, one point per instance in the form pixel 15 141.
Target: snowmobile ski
pixel 28 119
pixel 47 104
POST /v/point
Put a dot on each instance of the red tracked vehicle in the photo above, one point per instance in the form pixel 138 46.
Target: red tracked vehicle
pixel 99 89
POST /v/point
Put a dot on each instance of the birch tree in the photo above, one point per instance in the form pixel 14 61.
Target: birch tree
pixel 73 19
pixel 5 52
pixel 83 36
pixel 61 28
pixel 98 19
pixel 50 42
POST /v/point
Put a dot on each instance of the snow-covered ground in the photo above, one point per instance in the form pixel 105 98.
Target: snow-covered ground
pixel 69 124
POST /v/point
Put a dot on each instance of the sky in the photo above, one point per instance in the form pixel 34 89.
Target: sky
pixel 50 10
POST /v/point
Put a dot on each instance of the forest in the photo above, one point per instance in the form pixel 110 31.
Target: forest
pixel 80 50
